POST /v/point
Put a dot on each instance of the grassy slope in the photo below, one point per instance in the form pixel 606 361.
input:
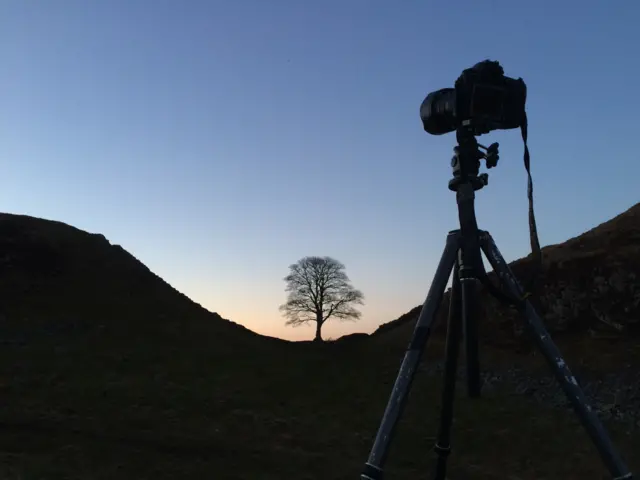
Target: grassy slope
pixel 277 412
pixel 147 385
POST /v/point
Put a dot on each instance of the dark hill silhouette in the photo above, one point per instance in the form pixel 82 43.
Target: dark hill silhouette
pixel 589 284
pixel 55 278
pixel 107 372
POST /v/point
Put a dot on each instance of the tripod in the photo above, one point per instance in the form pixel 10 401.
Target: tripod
pixel 462 254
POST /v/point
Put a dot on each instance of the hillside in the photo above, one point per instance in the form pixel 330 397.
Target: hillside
pixel 55 278
pixel 107 372
pixel 589 285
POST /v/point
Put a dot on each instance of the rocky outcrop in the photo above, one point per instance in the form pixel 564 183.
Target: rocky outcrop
pixel 613 396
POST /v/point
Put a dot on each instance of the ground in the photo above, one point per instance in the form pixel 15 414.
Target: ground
pixel 108 375
pixel 96 411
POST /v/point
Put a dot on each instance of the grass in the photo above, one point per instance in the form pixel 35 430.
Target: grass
pixel 103 408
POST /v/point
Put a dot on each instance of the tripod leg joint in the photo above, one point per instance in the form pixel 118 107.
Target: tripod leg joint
pixel 467 273
pixel 371 472
pixel 442 451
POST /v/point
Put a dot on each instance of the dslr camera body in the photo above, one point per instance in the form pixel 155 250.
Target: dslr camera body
pixel 484 99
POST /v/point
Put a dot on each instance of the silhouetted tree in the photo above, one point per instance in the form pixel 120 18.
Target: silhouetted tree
pixel 319 289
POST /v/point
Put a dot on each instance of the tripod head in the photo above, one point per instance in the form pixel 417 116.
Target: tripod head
pixel 466 160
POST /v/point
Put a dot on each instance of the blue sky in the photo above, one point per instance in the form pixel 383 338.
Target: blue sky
pixel 221 141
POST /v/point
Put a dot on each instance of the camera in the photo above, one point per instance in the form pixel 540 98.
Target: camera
pixel 484 99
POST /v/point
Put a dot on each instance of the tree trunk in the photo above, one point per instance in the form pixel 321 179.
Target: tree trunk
pixel 318 328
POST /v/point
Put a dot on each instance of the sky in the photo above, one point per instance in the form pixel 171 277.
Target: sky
pixel 221 141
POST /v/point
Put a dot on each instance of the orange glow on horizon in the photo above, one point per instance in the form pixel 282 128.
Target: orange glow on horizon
pixel 261 314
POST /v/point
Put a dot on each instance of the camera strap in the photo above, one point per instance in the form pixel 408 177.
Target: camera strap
pixel 536 252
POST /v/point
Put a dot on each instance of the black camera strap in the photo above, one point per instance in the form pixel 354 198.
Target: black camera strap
pixel 536 252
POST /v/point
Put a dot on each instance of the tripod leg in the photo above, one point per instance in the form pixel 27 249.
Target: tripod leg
pixel 373 468
pixel 443 443
pixel 470 261
pixel 470 323
pixel 568 383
